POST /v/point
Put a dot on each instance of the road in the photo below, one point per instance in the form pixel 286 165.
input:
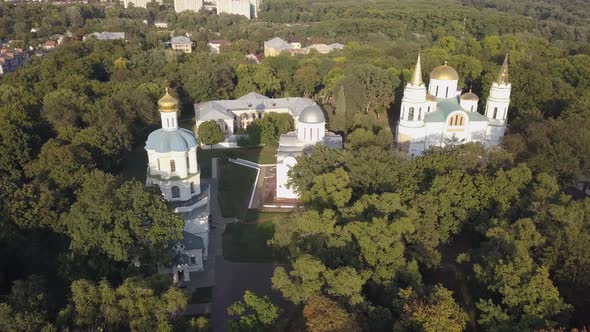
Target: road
pixel 229 280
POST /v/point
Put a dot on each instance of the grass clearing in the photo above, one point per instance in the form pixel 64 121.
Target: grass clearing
pixel 260 216
pixel 247 242
pixel 235 187
pixel 261 155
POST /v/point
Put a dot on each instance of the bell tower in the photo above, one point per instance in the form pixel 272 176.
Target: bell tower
pixel 497 106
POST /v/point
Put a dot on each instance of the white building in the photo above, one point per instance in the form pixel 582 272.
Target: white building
pixel 441 115
pixel 182 43
pixel 248 8
pixel 139 3
pixel 215 45
pixel 278 46
pixel 105 35
pixel 232 115
pixel 172 166
pixel 182 5
pixel 311 130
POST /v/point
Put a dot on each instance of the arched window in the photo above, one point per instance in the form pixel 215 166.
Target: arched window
pixel 411 114
pixel 436 93
pixel 456 120
pixel 175 192
pixel 447 93
pixel 192 188
pixel 471 108
pixel 172 166
pixel 158 164
pixel 419 113
pixel 188 165
pixel 495 112
pixel 428 109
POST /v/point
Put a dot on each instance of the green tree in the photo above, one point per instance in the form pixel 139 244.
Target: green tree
pixel 253 313
pixel 122 220
pixel 438 311
pixel 133 305
pixel 272 126
pixel 328 190
pixel 323 314
pixel 209 133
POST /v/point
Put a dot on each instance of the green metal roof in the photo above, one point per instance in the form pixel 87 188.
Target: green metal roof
pixel 445 107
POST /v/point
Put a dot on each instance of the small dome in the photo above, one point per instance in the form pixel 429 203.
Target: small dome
pixel 312 114
pixel 179 140
pixel 469 96
pixel 430 97
pixel 168 103
pixel 444 73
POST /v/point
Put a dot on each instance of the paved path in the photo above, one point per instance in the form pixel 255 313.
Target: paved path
pixel 229 280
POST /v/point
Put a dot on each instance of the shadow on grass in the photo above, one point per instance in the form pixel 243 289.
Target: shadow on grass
pixel 248 242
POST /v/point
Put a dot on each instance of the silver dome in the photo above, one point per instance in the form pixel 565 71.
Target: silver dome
pixel 312 114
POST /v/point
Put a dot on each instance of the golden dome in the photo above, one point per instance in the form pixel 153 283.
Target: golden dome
pixel 430 97
pixel 444 73
pixel 469 96
pixel 168 103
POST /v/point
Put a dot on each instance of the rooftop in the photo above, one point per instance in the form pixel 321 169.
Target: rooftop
pixel 445 107
pixel 278 44
pixel 252 101
pixel 180 40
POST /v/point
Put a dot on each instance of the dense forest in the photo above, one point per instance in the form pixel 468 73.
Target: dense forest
pixel 461 238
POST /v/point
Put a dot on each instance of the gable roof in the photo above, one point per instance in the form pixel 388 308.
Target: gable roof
pixel 445 107
pixel 222 109
pixel 252 95
pixel 278 44
pixel 180 40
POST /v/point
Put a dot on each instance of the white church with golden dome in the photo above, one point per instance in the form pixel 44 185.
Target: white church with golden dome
pixel 440 115
pixel 172 167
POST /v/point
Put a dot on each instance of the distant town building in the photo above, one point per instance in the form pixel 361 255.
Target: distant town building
pixel 276 46
pixel 215 45
pixel 440 114
pixel 256 58
pixel 325 49
pixel 105 35
pixel 295 43
pixel 11 59
pixel 139 3
pixel 173 168
pixel 49 44
pixel 183 5
pixel 247 8
pixel 161 25
pixel 182 43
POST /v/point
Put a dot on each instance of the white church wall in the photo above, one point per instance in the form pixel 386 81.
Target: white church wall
pixel 283 191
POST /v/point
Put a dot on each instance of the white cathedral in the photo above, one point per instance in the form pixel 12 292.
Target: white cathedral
pixel 439 115
pixel 172 166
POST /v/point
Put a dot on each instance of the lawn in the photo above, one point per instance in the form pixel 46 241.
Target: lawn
pixel 259 216
pixel 235 187
pixel 261 155
pixel 247 242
